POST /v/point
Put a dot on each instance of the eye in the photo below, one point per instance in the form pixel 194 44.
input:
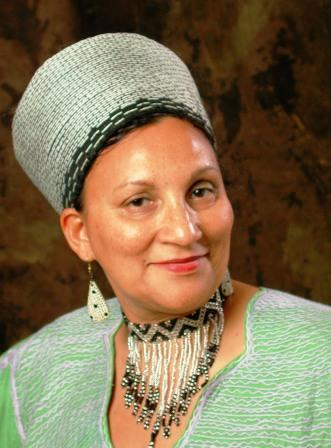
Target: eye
pixel 138 202
pixel 203 190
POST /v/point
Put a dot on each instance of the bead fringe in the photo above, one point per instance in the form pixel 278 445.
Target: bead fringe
pixel 161 377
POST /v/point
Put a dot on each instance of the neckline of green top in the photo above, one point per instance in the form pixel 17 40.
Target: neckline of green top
pixel 224 370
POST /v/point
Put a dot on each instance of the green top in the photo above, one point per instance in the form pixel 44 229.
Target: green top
pixel 55 386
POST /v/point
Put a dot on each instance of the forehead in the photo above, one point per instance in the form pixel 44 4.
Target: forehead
pixel 154 148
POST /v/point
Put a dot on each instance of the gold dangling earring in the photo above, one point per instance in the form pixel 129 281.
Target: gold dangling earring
pixel 96 304
pixel 226 285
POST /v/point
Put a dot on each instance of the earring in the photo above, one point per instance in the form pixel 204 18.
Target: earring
pixel 226 285
pixel 96 304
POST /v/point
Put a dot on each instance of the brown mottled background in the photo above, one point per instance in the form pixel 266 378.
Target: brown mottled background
pixel 263 68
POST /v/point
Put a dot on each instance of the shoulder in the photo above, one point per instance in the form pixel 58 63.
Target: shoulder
pixel 71 328
pixel 289 306
pixel 46 371
pixel 290 325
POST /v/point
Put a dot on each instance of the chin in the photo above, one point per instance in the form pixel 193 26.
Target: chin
pixel 183 300
pixel 167 296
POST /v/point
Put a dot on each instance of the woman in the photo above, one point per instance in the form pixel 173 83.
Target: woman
pixel 113 132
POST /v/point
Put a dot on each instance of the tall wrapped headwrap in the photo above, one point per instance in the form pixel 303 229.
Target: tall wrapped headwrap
pixel 85 94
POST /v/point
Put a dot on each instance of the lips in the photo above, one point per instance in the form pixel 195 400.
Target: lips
pixel 182 265
pixel 181 260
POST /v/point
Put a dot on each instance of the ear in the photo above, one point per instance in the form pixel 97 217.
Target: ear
pixel 74 229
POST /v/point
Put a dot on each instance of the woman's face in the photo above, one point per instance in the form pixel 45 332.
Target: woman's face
pixel 158 219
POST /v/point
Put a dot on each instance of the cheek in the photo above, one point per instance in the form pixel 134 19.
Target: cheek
pixel 220 239
pixel 112 238
pixel 221 223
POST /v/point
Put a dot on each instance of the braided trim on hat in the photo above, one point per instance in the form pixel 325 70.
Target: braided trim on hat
pixel 85 155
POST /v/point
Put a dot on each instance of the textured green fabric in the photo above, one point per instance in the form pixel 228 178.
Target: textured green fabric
pixel 276 394
pixel 9 437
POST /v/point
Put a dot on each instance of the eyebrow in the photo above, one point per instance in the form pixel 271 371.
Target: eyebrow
pixel 144 183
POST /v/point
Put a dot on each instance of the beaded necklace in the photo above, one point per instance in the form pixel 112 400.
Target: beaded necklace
pixel 168 363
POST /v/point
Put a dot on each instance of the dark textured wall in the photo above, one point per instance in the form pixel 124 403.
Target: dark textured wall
pixel 263 68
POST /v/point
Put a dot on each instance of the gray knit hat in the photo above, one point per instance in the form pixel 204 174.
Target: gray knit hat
pixel 85 94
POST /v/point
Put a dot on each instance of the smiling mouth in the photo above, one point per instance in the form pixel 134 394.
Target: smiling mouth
pixel 183 265
pixel 181 260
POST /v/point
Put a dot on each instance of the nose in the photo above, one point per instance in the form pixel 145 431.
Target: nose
pixel 179 225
